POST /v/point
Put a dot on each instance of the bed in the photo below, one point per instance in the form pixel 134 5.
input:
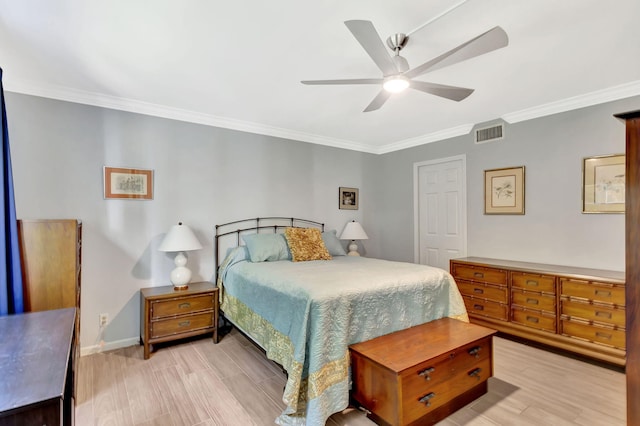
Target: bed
pixel 305 314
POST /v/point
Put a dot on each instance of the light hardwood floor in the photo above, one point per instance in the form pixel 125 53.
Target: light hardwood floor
pixel 232 383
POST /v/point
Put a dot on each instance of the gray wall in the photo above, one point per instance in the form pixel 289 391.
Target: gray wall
pixel 554 229
pixel 203 176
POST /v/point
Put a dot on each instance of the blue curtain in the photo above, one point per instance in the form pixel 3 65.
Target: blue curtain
pixel 11 300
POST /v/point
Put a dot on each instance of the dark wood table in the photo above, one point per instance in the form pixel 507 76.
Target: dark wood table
pixel 37 359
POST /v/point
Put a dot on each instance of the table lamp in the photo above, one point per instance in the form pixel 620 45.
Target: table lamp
pixel 180 238
pixel 353 231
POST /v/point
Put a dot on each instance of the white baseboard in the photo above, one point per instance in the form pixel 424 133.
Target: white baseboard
pixel 109 346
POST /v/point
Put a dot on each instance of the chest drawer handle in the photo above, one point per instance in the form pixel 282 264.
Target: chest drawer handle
pixel 478 307
pixel 533 301
pixel 426 400
pixel 475 373
pixel 475 351
pixel 478 290
pixel 533 283
pixel 184 323
pixel 603 314
pixel 478 274
pixel 185 305
pixel 534 320
pixel 603 335
pixel 604 293
pixel 426 373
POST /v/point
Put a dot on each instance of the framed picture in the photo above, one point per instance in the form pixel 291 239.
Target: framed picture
pixel 603 180
pixel 504 191
pixel 348 198
pixel 128 183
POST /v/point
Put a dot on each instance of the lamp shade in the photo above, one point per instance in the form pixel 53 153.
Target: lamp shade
pixel 180 238
pixel 353 231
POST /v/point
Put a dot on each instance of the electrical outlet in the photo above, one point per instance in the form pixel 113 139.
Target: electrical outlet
pixel 103 319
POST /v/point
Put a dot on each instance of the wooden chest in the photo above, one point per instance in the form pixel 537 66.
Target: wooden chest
pixel 422 374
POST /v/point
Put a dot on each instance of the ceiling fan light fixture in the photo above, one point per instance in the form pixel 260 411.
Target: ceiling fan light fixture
pixel 396 84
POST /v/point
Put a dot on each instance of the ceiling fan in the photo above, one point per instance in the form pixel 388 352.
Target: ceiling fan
pixel 396 75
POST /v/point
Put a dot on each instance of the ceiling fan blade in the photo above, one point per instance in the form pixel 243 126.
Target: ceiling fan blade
pixel 368 37
pixel 345 81
pixel 449 92
pixel 378 101
pixel 493 39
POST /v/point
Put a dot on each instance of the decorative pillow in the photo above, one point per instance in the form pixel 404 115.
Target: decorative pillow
pixel 333 244
pixel 306 244
pixel 266 247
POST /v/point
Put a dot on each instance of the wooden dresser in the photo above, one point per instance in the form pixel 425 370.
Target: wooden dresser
pixel 38 368
pixel 420 375
pixel 167 314
pixel 576 309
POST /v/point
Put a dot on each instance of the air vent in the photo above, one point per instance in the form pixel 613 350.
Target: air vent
pixel 490 134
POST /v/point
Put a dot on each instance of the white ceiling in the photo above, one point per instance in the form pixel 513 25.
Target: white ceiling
pixel 238 64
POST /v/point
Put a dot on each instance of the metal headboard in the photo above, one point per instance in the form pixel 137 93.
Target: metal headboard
pixel 255 225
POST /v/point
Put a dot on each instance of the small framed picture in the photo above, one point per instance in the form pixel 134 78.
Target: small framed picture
pixel 603 184
pixel 504 191
pixel 348 198
pixel 120 183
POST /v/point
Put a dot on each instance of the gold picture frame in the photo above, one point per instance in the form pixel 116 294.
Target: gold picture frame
pixel 123 183
pixel 348 198
pixel 603 184
pixel 504 191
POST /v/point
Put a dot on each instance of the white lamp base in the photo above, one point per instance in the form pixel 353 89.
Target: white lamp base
pixel 353 249
pixel 181 275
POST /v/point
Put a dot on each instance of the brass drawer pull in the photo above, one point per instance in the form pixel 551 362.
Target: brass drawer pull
pixel 475 351
pixel 603 335
pixel 426 400
pixel 604 293
pixel 533 319
pixel 475 373
pixel 478 274
pixel 478 291
pixel 533 283
pixel 184 323
pixel 426 373
pixel 533 301
pixel 185 305
pixel 478 307
pixel 603 314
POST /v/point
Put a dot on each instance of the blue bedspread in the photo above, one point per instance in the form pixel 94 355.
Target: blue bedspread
pixel 306 314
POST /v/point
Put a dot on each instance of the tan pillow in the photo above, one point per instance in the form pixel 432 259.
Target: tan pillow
pixel 306 244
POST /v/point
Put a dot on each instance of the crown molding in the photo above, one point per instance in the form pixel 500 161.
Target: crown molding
pixel 425 139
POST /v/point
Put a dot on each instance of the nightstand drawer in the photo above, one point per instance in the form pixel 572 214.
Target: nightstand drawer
pixel 184 324
pixel 182 305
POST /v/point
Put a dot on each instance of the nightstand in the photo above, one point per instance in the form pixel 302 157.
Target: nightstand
pixel 167 314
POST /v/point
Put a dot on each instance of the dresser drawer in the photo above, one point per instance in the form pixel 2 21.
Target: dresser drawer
pixel 534 319
pixel 597 292
pixel 533 282
pixel 530 300
pixel 486 308
pixel 604 335
pixel 479 273
pixel 179 306
pixel 420 401
pixel 483 291
pixel 598 313
pixel 184 324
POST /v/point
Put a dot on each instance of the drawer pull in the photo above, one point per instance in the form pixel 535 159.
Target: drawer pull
pixel 426 373
pixel 603 335
pixel 604 293
pixel 184 323
pixel 475 373
pixel 185 305
pixel 533 283
pixel 533 301
pixel 426 400
pixel 603 314
pixel 475 351
pixel 478 274
pixel 478 307
pixel 532 319
pixel 478 291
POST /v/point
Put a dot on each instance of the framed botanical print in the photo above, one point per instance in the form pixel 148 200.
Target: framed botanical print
pixel 603 184
pixel 504 191
pixel 123 183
